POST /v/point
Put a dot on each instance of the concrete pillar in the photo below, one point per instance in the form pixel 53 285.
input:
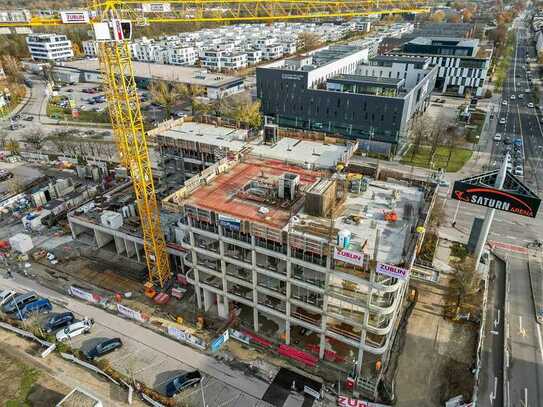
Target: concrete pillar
pixel 324 320
pixel 102 238
pixel 72 229
pixel 138 253
pixel 255 293
pixel 119 244
pixel 208 299
pixel 129 248
pixel 288 305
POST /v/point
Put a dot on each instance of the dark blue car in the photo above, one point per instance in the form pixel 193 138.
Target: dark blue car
pixel 59 321
pixel 40 305
pixel 181 382
pixel 109 345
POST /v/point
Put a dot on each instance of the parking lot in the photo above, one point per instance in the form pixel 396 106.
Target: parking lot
pixel 154 359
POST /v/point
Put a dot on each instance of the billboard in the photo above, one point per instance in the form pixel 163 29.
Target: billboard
pixel 74 17
pixel 344 401
pixel 392 271
pixel 156 7
pixel 496 199
pixel 349 256
pixel 229 222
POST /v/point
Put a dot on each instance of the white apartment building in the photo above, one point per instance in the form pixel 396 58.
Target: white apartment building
pixel 254 56
pixel 181 56
pixel 90 48
pixel 49 47
pixel 410 68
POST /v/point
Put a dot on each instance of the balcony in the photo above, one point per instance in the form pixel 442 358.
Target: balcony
pixel 303 315
pixel 349 294
pixel 355 317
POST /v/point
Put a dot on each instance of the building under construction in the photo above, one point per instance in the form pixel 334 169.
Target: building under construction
pixel 316 260
pixel 278 237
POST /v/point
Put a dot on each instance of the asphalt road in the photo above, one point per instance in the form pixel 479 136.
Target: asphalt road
pixel 155 359
pixel 491 375
pixel 524 385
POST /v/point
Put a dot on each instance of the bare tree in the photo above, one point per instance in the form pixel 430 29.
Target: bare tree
pixel 419 133
pixel 35 138
pixel 435 138
pixel 452 141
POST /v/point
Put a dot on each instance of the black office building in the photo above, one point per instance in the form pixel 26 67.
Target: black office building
pixel 330 97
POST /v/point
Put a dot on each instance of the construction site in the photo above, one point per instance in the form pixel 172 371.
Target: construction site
pixel 306 255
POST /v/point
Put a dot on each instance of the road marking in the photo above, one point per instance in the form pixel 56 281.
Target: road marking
pixel 493 394
pixel 497 322
pixel 521 330
pixel 539 340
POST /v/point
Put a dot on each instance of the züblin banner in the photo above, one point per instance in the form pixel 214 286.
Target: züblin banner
pixel 496 199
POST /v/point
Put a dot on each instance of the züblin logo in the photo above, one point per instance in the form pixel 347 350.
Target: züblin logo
pixel 492 198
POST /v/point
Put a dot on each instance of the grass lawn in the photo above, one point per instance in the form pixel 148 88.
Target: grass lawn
pixel 459 157
pixel 56 112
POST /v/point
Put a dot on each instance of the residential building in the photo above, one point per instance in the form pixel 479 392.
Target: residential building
pixel 181 56
pixel 412 69
pixel 323 91
pixel 90 48
pixel 274 41
pixel 463 64
pixel 49 47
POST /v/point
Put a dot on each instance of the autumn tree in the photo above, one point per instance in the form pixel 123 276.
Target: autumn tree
pixel 13 146
pixel 465 280
pixel 190 94
pixel 438 16
pixel 243 111
pixel 419 132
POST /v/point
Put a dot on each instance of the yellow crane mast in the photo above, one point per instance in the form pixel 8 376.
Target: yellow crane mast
pixel 115 18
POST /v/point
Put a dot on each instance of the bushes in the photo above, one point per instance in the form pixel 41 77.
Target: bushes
pixel 459 250
pixel 428 247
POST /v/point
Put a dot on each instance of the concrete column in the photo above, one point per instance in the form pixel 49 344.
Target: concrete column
pixel 72 229
pixel 324 320
pixel 288 305
pixel 208 299
pixel 129 248
pixel 137 250
pixel 255 292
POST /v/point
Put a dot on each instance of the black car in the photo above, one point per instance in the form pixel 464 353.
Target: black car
pixel 181 382
pixel 109 345
pixel 507 141
pixel 59 321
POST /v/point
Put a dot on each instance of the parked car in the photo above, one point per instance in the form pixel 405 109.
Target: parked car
pixel 58 321
pixel 509 166
pixel 530 105
pixel 182 382
pixel 519 171
pixel 513 97
pixel 503 120
pixel 504 103
pixel 497 137
pixel 19 301
pixel 104 347
pixel 40 305
pixel 75 329
pixel 6 296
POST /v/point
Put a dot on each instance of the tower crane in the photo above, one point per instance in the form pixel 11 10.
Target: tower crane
pixel 112 22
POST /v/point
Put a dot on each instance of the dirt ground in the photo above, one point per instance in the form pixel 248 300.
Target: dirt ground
pixel 436 361
pixel 27 378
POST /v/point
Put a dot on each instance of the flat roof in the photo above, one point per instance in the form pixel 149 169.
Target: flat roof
pixel 371 207
pixel 224 137
pixel 456 41
pixel 173 73
pixel 366 79
pixel 221 194
pixel 399 58
pixel 302 152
